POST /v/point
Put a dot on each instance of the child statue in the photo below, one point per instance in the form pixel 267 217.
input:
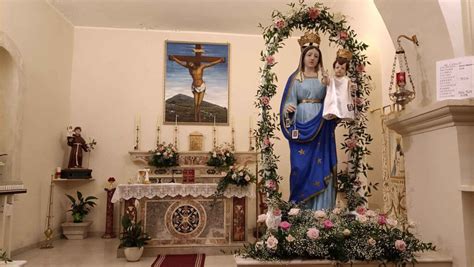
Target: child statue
pixel 338 102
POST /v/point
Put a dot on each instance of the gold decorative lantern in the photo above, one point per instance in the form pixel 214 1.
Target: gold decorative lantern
pixel 404 92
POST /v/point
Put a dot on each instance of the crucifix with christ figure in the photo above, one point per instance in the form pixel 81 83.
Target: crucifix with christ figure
pixel 196 65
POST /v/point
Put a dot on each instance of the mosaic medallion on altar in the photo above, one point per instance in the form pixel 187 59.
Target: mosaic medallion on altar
pixel 185 219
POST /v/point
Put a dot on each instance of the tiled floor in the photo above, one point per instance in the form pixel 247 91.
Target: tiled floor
pixel 96 252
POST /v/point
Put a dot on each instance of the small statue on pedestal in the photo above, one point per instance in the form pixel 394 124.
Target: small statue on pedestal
pixel 78 145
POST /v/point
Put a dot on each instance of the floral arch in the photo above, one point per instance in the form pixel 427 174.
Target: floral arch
pixel 315 18
pixel 338 235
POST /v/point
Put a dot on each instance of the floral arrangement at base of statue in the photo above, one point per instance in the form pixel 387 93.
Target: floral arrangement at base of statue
pixel 239 176
pixel 221 157
pixel 164 156
pixel 336 235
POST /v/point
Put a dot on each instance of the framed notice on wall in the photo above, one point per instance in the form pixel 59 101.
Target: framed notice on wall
pixel 196 83
pixel 455 78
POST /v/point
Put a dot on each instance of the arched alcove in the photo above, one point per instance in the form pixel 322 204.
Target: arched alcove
pixel 11 91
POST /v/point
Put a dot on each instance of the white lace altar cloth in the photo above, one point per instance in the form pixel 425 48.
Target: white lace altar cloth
pixel 128 191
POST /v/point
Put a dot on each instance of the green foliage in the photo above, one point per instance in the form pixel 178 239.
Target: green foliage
pixel 164 156
pixel 80 207
pixel 4 257
pixel 133 234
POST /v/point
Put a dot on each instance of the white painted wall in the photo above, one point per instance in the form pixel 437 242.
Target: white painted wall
pixel 45 43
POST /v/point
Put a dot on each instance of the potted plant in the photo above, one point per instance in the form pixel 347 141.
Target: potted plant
pixel 80 207
pixel 132 238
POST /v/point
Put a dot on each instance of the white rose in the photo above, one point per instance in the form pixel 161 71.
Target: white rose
pixel 158 153
pixel 272 221
pixel 259 244
pixel 272 242
pixel 320 214
pixel 371 213
pixel 214 155
pixel 392 222
pixel 293 212
pixel 241 173
pixel 371 241
pixel 234 176
pixel 247 178
pixel 290 238
pixel 362 218
pixel 346 232
pixel 261 218
pixel 337 211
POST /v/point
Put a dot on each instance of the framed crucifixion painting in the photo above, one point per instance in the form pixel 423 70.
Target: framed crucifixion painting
pixel 196 83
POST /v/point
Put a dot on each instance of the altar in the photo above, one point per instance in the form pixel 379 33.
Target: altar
pixel 184 218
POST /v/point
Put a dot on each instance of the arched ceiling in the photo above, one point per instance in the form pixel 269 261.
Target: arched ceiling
pixel 227 16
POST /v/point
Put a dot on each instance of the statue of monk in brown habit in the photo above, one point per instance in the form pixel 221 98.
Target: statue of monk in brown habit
pixel 77 144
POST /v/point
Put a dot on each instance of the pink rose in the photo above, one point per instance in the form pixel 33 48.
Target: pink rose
pixel 276 212
pixel 313 13
pixel 351 143
pixel 400 245
pixel 265 100
pixel 284 225
pixel 312 233
pixel 272 242
pixel 343 35
pixel 359 101
pixel 328 224
pixel 279 24
pixel 290 238
pixel 270 60
pixel 270 184
pixel 266 141
pixel 361 210
pixel 360 68
pixel 382 219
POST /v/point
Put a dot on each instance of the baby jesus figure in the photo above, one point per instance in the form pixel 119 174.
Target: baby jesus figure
pixel 338 102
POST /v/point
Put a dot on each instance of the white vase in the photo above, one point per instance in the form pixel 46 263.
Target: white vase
pixel 133 253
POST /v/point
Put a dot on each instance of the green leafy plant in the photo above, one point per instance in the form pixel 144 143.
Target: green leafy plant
pixel 4 257
pixel 81 206
pixel 133 234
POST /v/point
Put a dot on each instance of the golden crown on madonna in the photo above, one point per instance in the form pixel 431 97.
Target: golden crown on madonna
pixel 309 38
pixel 344 53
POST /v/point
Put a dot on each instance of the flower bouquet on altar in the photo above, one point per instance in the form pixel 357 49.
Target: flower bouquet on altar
pixel 239 176
pixel 337 235
pixel 221 157
pixel 164 156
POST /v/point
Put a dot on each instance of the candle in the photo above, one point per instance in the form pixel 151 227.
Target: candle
pixel 214 120
pixel 401 81
pixel 176 120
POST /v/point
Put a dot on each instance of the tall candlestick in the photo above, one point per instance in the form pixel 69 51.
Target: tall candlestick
pixel 176 133
pixel 232 133
pixel 137 132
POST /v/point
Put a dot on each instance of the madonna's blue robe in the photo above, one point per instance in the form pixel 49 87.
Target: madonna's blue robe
pixel 313 154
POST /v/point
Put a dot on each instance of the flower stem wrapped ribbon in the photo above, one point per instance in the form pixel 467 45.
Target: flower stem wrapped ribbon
pixel 164 156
